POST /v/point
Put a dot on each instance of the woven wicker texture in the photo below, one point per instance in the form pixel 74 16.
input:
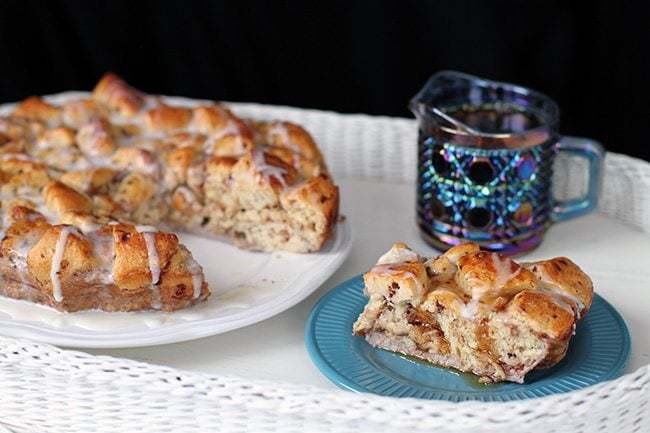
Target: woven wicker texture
pixel 45 389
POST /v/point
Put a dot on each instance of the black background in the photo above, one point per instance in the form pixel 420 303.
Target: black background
pixel 348 56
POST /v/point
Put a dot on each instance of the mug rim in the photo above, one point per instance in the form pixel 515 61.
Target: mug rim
pixel 551 122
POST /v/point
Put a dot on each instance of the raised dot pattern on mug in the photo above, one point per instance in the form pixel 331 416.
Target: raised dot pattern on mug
pixel 487 196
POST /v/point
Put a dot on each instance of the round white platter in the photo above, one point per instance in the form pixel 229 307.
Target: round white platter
pixel 247 287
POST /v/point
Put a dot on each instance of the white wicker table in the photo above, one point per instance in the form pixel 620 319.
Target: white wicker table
pixel 260 377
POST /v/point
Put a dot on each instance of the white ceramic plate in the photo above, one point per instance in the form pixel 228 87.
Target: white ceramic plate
pixel 247 287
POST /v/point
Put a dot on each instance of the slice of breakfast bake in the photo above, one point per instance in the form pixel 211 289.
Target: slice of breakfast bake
pixel 474 310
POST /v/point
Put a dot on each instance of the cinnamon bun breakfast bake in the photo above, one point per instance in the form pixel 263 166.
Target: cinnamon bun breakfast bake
pixel 91 190
pixel 473 310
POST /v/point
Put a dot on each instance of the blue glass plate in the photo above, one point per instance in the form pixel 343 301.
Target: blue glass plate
pixel 598 352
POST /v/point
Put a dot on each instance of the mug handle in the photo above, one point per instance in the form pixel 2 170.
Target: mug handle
pixel 594 153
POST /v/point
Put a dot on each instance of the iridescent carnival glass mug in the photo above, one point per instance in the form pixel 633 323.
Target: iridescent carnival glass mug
pixel 485 164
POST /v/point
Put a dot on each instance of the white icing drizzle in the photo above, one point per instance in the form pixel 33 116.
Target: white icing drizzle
pixel 150 103
pixel 231 128
pixel 141 228
pixel 49 215
pixel 197 276
pixel 503 274
pixel 25 244
pixel 87 226
pixel 17 157
pixel 145 162
pixel 503 268
pixel 6 217
pixel 560 297
pixel 398 255
pixel 93 134
pixel 280 129
pixel 55 267
pixel 148 233
pixel 469 310
pixel 104 249
pixel 560 301
pixel 87 182
pixel 187 194
pixel 389 269
pixel 197 283
pixel 268 171
pixel 152 254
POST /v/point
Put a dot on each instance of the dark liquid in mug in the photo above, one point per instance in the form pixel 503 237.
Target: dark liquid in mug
pixel 496 118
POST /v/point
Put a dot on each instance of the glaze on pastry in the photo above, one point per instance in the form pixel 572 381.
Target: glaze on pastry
pixel 91 187
pixel 473 310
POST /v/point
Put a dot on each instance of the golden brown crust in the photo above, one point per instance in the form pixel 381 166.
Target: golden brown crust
pixel 22 176
pixel 94 138
pixel 78 112
pixel 77 258
pixel 60 199
pixel 58 137
pixel 134 190
pixel 542 313
pixel 305 166
pixel 235 144
pixel 291 143
pixel 165 118
pixel 561 272
pixel 26 228
pixel 179 161
pixel 458 251
pixel 263 165
pixel 408 281
pixel 290 136
pixel 136 159
pixel 83 280
pixel 114 93
pixel 89 181
pixel 484 268
pixel 210 119
pixel 17 129
pixel 131 267
pixel 36 108
pixel 321 196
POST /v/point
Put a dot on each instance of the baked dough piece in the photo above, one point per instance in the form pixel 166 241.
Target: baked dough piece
pixel 474 310
pixel 90 188
pixel 85 261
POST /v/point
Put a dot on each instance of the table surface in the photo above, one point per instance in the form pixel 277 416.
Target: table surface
pixel 615 255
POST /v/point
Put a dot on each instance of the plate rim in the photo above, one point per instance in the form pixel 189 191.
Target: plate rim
pixel 190 330
pixel 315 354
pixel 332 374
